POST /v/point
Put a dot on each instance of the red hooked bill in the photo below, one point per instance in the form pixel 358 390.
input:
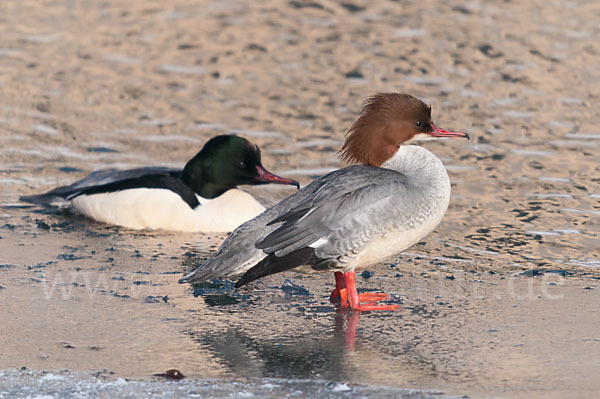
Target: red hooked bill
pixel 439 132
pixel 267 177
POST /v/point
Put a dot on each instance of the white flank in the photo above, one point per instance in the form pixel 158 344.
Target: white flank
pixel 392 244
pixel 147 208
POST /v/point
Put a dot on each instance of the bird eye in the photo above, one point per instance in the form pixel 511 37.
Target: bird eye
pixel 418 123
pixel 241 164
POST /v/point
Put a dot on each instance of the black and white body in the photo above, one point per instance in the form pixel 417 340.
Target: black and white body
pixel 201 197
pixel 354 217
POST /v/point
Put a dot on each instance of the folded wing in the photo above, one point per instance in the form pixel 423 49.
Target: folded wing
pixel 96 179
pixel 328 230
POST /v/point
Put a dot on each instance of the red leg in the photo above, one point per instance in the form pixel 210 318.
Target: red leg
pixel 340 284
pixel 345 290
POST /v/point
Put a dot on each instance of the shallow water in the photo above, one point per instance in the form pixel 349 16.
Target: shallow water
pixel 500 301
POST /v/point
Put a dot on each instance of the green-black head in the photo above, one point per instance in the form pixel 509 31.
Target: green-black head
pixel 224 163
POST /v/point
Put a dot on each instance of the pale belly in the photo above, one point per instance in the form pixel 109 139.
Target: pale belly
pixel 145 208
pixel 391 245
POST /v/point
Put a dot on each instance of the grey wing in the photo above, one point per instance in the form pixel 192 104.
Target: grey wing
pixel 98 178
pixel 342 217
pixel 329 231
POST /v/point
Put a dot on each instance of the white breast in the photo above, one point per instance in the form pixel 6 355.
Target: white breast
pixel 147 208
pixel 392 244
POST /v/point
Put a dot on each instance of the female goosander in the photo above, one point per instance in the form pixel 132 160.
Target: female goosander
pixel 354 217
pixel 201 197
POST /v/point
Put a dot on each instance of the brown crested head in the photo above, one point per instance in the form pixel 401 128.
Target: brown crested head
pixel 386 121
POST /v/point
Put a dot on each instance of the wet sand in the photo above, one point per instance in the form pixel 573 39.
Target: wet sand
pixel 500 301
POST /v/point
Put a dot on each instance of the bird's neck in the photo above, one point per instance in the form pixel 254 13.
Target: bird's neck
pixel 204 178
pixel 422 168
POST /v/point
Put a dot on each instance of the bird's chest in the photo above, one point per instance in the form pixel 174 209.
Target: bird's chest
pixel 394 242
pixel 226 212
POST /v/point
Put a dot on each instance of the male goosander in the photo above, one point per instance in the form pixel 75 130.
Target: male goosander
pixel 354 217
pixel 201 197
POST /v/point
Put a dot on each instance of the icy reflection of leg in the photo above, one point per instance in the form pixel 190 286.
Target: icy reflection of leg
pixel 353 319
pixel 346 324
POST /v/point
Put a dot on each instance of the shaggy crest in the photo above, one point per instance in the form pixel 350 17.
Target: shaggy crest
pixel 386 121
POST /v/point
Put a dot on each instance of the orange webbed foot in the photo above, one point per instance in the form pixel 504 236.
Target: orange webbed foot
pixel 376 306
pixel 372 296
pixel 345 296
